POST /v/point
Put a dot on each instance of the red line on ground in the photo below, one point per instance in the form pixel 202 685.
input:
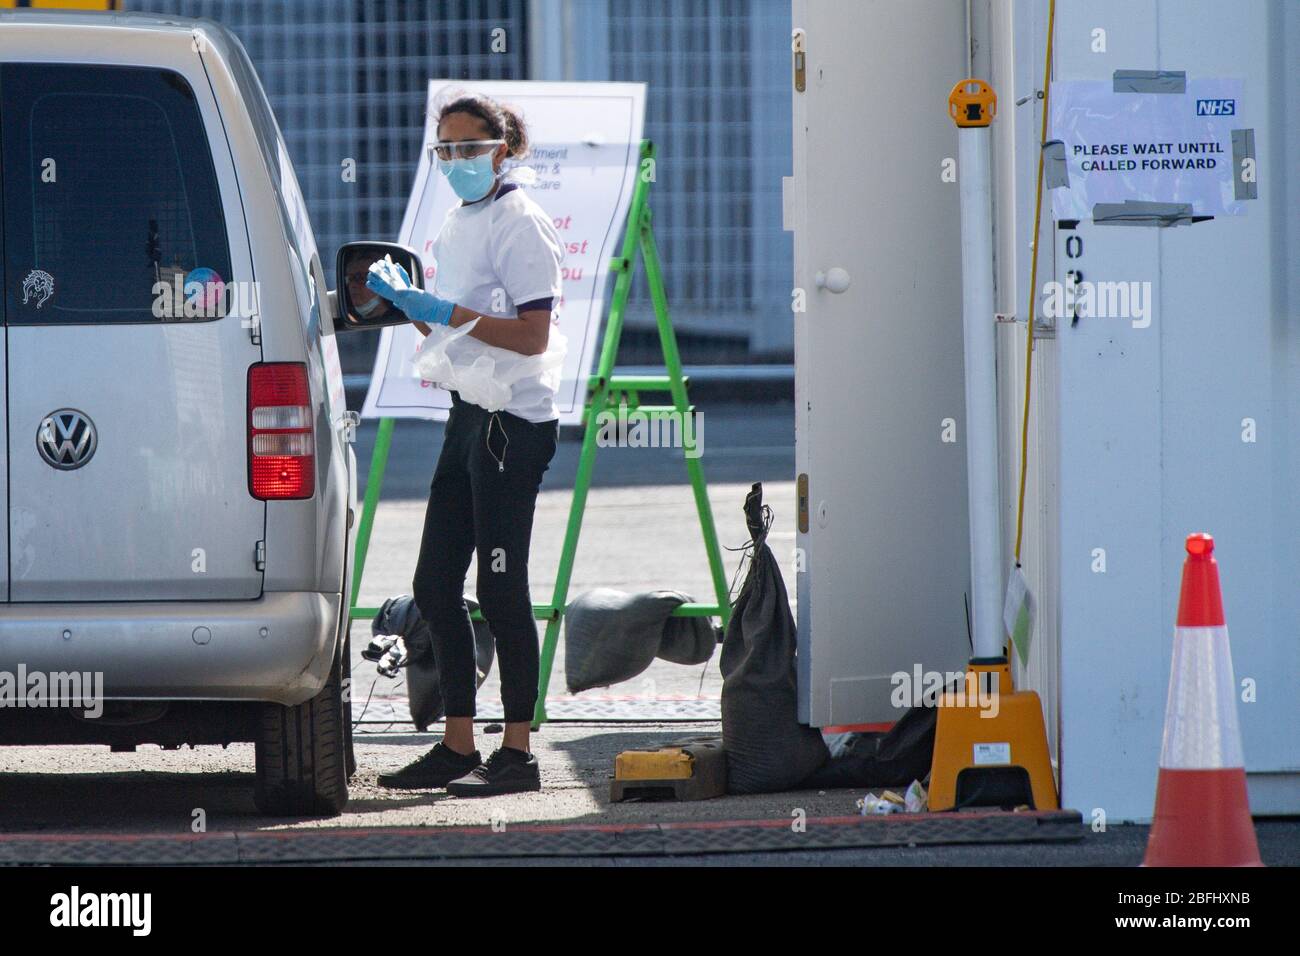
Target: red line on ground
pixel 336 832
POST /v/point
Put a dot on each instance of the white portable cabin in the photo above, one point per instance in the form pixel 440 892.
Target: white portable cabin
pixel 1138 436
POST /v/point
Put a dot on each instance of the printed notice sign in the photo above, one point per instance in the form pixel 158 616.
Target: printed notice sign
pixel 1152 147
pixel 585 140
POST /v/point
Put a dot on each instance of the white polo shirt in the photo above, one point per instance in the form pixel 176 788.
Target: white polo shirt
pixel 492 256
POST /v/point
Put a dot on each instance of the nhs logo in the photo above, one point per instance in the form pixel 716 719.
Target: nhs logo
pixel 1216 107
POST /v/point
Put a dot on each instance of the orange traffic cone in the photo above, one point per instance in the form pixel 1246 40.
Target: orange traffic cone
pixel 1202 817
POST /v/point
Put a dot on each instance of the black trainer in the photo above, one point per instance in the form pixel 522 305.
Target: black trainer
pixel 437 768
pixel 507 771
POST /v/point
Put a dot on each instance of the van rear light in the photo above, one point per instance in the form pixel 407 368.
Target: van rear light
pixel 281 447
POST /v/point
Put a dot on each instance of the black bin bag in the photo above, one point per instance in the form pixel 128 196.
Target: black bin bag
pixel 893 759
pixel 767 748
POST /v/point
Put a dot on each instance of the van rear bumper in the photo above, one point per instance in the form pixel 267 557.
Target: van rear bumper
pixel 278 648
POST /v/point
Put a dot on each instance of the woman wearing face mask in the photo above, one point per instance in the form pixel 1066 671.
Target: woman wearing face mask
pixel 498 261
pixel 366 303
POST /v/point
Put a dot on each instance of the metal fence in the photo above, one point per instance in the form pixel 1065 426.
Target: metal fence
pixel 718 107
pixel 347 81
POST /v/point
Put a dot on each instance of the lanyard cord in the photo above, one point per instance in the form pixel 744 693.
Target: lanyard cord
pixel 487 440
pixel 1033 287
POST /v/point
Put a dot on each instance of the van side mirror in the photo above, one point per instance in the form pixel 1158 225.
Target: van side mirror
pixel 358 306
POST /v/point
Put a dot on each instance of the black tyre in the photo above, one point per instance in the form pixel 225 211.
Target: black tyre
pixel 302 755
pixel 349 753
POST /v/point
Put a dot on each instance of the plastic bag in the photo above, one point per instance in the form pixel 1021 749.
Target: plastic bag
pixel 484 374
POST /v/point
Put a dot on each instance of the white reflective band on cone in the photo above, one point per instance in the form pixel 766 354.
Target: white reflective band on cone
pixel 1201 730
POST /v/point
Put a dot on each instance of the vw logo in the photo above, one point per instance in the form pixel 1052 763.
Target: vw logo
pixel 66 439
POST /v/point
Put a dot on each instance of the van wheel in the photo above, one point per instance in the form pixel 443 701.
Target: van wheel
pixel 301 755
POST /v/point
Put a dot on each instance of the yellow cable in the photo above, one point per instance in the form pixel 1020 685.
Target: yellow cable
pixel 1033 286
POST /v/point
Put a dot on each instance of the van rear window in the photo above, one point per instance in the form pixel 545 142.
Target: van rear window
pixel 112 211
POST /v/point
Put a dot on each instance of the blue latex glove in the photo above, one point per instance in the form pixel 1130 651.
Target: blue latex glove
pixel 391 281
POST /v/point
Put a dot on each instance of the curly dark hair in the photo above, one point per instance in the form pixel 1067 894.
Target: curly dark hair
pixel 501 120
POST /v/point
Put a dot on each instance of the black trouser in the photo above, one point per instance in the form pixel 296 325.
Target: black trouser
pixel 483 495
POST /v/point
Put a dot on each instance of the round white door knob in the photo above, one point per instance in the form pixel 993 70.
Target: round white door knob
pixel 834 279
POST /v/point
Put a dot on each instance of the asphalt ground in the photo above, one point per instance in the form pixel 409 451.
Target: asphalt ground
pixel 54 795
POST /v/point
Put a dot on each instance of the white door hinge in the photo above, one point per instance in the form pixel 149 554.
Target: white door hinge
pixel 259 556
pixel 254 325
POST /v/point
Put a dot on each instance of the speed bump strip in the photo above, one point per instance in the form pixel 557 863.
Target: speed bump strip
pixel 336 845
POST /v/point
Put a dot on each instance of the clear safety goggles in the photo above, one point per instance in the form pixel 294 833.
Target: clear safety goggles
pixel 464 149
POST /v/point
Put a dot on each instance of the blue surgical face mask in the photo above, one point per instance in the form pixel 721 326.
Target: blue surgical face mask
pixel 470 178
pixel 365 308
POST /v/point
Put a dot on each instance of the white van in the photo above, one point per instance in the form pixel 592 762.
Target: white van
pixel 175 466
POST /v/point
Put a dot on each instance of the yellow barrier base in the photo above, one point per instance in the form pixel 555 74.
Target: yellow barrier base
pixel 990 745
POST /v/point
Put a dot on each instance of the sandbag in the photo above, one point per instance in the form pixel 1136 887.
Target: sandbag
pixel 688 640
pixel 400 616
pixel 611 636
pixel 767 748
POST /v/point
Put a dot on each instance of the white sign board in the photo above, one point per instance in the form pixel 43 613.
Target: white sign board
pixel 1149 147
pixel 585 143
